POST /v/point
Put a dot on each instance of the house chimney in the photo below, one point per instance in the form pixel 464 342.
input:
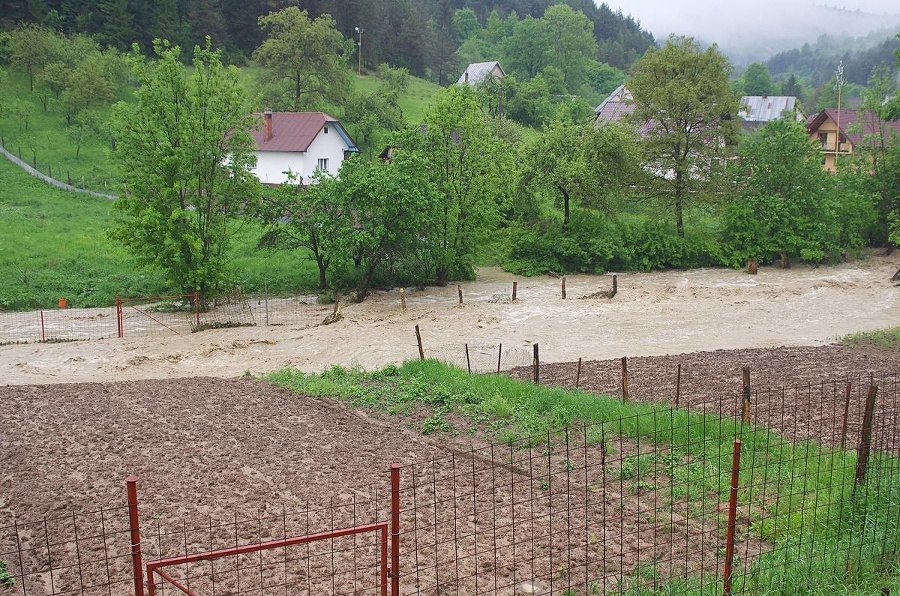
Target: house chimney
pixel 267 115
pixel 467 77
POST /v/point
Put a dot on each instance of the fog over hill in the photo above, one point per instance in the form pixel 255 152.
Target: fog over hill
pixel 754 31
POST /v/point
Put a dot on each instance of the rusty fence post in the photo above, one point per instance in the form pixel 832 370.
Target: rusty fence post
pixel 732 517
pixel 395 529
pixel 419 341
pixel 499 356
pixel 745 416
pixel 536 365
pixel 135 526
pixel 468 362
pixel 865 438
pixel 625 395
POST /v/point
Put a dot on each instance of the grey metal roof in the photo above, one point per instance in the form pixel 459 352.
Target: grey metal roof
pixel 479 71
pixel 762 108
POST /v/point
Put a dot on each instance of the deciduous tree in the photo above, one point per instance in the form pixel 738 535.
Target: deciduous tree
pixel 186 152
pixel 303 59
pixel 683 98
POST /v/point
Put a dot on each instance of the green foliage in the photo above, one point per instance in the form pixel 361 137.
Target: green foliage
pixel 383 209
pixel 684 95
pixel 756 80
pixel 473 173
pixel 593 243
pixel 303 60
pixel 885 338
pixel 186 151
pixel 7 580
pixel 788 206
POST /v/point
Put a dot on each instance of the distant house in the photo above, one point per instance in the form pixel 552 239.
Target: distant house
pixel 618 107
pixel 615 108
pixel 756 110
pixel 478 72
pixel 301 143
pixel 843 132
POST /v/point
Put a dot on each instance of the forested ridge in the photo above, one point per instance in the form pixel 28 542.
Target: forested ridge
pixel 419 36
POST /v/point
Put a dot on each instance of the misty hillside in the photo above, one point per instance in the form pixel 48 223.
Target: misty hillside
pixel 747 34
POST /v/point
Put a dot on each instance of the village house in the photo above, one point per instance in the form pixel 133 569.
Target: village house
pixel 757 110
pixel 300 143
pixel 844 132
pixel 479 72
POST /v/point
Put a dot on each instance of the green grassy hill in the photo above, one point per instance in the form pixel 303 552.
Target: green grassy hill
pixel 55 243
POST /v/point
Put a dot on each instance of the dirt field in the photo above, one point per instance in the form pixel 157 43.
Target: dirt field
pixel 79 417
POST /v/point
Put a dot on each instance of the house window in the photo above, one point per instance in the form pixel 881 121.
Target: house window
pixel 322 164
pixel 326 130
pixel 823 139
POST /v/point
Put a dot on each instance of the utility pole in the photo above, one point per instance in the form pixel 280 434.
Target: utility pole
pixel 359 30
pixel 839 85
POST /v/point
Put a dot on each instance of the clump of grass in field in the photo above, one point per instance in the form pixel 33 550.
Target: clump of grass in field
pixel 885 338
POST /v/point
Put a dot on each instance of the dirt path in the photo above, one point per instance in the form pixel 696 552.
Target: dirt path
pixel 653 314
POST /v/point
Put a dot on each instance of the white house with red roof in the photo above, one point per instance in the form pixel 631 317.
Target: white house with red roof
pixel 300 143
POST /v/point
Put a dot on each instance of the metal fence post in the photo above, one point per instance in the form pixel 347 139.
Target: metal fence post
pixel 732 517
pixel 134 523
pixel 395 529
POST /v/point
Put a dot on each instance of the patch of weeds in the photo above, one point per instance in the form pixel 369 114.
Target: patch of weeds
pixel 436 422
pixel 6 578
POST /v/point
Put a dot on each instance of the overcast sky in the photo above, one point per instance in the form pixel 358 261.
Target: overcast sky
pixel 742 23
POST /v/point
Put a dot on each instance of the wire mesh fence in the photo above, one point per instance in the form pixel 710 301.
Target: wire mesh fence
pixel 638 504
pixel 157 316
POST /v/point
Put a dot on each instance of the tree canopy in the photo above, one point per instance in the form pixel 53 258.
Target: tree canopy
pixel 186 151
pixel 683 98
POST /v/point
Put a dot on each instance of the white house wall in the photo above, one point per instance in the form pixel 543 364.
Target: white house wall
pixel 271 165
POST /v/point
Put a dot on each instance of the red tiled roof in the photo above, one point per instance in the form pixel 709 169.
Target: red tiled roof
pixel 291 131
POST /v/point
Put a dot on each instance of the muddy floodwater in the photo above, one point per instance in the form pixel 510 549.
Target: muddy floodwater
pixel 652 314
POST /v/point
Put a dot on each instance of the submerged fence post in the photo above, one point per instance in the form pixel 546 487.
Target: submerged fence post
pixel 615 288
pixel 43 329
pixel 197 308
pixel 732 517
pixel 459 291
pixel 745 416
pixel 499 356
pixel 563 282
pixel 578 374
pixel 865 439
pixel 468 362
pixel 395 529
pixel 134 524
pixel 536 365
pixel 625 378
pixel 515 287
pixel 120 324
pixel 419 341
pixel 403 298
